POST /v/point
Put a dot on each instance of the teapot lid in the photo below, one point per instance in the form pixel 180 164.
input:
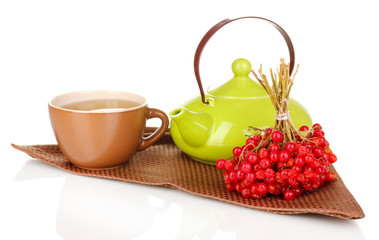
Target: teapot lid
pixel 241 85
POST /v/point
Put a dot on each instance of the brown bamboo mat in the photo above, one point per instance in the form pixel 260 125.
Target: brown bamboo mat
pixel 163 164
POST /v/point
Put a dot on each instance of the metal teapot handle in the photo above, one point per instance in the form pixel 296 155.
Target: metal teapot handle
pixel 219 25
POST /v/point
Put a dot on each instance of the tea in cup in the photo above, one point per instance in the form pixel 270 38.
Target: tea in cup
pixel 102 129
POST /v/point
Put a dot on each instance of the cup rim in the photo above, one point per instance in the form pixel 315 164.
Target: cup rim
pixel 94 92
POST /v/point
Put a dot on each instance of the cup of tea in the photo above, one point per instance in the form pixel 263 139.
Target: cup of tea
pixel 102 129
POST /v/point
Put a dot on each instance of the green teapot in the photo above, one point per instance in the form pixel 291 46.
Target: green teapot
pixel 209 126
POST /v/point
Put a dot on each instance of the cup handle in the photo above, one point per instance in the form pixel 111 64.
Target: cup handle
pixel 152 113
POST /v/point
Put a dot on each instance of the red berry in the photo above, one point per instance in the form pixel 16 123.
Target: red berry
pixel 268 132
pixel 265 163
pixel 307 186
pixel 304 128
pixel 256 167
pixel 292 173
pixel 229 165
pixel 307 168
pixel 293 182
pixel 316 176
pixel 262 188
pixel 320 170
pixel 258 137
pixel 290 147
pixel 315 184
pixel 246 183
pixel 233 176
pixel 289 195
pixel 237 151
pixel 272 189
pixel 246 193
pixel 260 174
pixel 269 180
pixel 316 126
pixel 251 143
pixel 302 150
pixel 253 158
pixel 254 188
pixel 297 169
pixel 275 189
pixel 240 175
pixel 319 133
pixel 284 173
pixel 226 178
pixel 277 136
pixel 318 152
pixel 269 173
pixel 309 148
pixel 278 188
pixel 246 153
pixel 330 176
pixel 324 142
pixel 220 163
pixel 284 156
pixel 246 167
pixel 230 186
pixel 332 158
pixel 298 191
pixel 315 163
pixel 278 178
pixel 299 161
pixel 317 141
pixel 274 148
pixel 308 174
pixel 238 187
pixel 301 178
pixel 250 176
pixel 309 159
pixel 325 156
pixel 280 165
pixel 322 177
pixel 274 157
pixel 263 153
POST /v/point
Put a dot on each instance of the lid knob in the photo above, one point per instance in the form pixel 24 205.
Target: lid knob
pixel 241 67
pixel 241 85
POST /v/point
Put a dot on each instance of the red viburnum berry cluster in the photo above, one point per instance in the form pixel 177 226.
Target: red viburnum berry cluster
pixel 277 168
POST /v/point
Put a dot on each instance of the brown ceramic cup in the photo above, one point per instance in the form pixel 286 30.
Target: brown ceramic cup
pixel 102 138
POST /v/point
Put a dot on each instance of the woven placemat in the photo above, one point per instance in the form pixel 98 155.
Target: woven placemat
pixel 164 164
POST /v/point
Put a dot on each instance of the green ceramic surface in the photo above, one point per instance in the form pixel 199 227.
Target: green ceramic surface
pixel 209 132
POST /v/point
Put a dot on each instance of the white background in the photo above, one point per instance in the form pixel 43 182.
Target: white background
pixel 147 47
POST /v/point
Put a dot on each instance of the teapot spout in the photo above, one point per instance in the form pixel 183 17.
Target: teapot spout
pixel 194 128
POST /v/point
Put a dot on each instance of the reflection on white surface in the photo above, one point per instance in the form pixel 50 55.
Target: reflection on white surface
pixel 92 208
pixel 99 210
